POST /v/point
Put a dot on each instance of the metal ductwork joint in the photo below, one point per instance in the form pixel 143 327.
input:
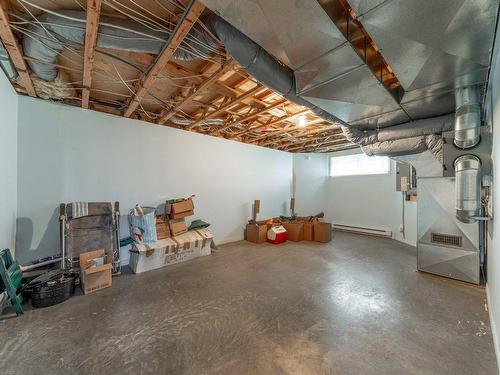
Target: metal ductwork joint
pixel 467 134
pixel 467 117
pixel 468 188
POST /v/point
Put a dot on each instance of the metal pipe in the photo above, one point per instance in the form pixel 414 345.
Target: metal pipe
pixel 467 117
pixel 468 188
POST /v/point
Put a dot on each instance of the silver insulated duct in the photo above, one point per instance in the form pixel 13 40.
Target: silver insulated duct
pixel 468 188
pixel 467 117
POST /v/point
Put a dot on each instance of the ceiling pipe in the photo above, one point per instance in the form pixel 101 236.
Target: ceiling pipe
pixel 47 38
pixel 467 117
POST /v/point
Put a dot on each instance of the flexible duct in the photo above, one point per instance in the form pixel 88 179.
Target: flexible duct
pixel 467 117
pixel 434 125
pixel 261 65
pixel 45 40
pixel 468 188
pixel 407 146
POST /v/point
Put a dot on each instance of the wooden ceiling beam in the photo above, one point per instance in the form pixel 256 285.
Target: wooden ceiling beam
pixel 189 18
pixel 308 147
pixel 273 134
pixel 13 48
pixel 302 134
pixel 91 29
pixel 229 105
pixel 250 116
pixel 313 140
pixel 165 116
pixel 276 122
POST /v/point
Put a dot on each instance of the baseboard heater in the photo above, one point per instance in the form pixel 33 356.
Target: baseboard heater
pixel 360 230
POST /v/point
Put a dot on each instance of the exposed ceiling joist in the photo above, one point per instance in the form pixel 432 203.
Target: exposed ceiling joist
pixel 303 133
pixel 251 116
pixel 229 65
pixel 229 105
pixel 292 128
pixel 91 29
pixel 189 18
pixel 276 122
pixel 317 146
pixel 14 49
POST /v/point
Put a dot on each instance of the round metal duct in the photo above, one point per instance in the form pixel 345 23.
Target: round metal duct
pixel 468 188
pixel 467 117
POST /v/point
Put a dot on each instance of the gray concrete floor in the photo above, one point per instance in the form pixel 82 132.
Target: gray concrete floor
pixel 354 306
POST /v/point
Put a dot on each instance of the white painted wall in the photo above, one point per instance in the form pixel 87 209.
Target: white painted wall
pixel 8 163
pixel 493 286
pixel 365 201
pixel 69 154
pixel 371 201
pixel 311 178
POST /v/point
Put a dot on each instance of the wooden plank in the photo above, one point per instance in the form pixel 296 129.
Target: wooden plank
pixel 227 106
pixel 189 18
pixel 302 134
pixel 14 49
pixel 316 146
pixel 287 130
pixel 250 116
pixel 91 28
pixel 206 84
pixel 276 122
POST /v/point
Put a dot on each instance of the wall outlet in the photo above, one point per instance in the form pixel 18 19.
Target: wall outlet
pixel 401 228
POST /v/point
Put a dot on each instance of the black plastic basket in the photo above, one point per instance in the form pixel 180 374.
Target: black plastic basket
pixel 52 292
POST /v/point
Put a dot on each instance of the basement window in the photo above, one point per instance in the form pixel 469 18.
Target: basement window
pixel 358 165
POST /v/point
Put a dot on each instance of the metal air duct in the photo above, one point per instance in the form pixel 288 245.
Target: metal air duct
pixel 467 117
pixel 468 188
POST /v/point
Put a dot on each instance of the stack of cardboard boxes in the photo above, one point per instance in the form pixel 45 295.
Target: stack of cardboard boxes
pixel 310 228
pixel 175 242
pixel 177 213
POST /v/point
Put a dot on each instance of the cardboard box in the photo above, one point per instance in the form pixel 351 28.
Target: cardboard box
pixel 322 231
pixel 309 231
pixel 162 228
pixel 257 233
pixel 181 215
pixel 181 209
pixel 193 244
pixel 178 227
pixel 295 230
pixel 95 271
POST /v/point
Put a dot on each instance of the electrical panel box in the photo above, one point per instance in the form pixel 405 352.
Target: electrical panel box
pixel 405 177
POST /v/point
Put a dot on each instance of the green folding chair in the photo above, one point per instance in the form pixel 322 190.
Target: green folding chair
pixel 10 281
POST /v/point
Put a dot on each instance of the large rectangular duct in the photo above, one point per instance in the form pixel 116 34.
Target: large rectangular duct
pixel 445 245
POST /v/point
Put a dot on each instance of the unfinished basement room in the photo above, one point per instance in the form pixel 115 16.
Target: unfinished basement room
pixel 268 187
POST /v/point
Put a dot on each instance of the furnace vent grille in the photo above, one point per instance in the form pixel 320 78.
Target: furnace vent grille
pixel 446 239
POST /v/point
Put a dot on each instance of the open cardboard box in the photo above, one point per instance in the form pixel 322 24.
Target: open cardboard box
pixel 295 230
pixel 178 227
pixel 181 209
pixel 257 233
pixel 95 271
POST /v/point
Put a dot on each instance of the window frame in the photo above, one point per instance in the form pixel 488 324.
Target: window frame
pixel 385 173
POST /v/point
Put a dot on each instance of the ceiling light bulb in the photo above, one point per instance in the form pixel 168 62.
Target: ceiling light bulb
pixel 302 121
